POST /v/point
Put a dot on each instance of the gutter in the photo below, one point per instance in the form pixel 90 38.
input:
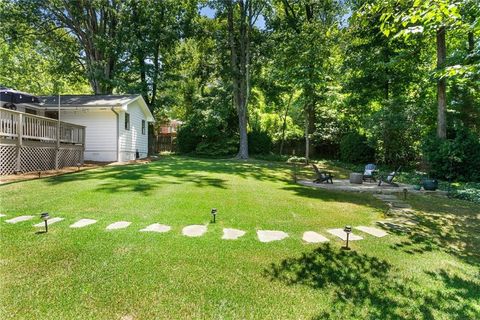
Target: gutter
pixel 117 132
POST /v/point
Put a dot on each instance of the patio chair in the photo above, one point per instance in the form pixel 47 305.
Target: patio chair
pixel 322 176
pixel 389 178
pixel 370 172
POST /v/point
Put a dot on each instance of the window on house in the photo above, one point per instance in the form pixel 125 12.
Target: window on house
pixel 51 114
pixel 30 111
pixel 127 121
pixel 143 127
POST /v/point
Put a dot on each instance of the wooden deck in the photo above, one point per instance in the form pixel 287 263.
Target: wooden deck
pixel 34 143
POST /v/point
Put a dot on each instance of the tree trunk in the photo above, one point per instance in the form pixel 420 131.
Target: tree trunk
pixel 284 125
pixel 441 85
pixel 239 56
pixel 307 135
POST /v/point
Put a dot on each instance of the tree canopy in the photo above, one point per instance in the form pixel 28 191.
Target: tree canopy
pixel 265 76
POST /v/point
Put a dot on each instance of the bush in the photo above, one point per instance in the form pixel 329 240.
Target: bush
pixel 454 159
pixel 355 149
pixel 470 194
pixel 225 146
pixel 187 138
pixel 295 159
pixel 259 142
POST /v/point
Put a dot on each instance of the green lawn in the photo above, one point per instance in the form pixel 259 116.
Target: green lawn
pixel 430 272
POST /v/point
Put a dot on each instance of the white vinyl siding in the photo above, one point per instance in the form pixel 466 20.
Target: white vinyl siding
pixel 100 132
pixel 133 139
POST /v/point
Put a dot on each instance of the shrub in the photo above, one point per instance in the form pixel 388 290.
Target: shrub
pixel 187 138
pixel 355 149
pixel 224 146
pixel 259 142
pixel 454 159
pixel 295 159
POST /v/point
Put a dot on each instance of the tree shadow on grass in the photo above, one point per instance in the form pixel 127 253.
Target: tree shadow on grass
pixel 366 287
pixel 335 196
pixel 447 225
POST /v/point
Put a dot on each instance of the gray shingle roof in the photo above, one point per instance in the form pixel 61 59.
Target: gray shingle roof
pixel 87 100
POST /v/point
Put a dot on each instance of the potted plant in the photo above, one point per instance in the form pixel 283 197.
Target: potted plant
pixel 430 184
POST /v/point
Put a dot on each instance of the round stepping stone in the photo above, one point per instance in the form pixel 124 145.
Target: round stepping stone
pixel 156 227
pixel 232 234
pixel 49 222
pixel 2 215
pixel 269 235
pixel 195 230
pixel 118 225
pixel 343 235
pixel 19 219
pixel 372 231
pixel 313 237
pixel 83 223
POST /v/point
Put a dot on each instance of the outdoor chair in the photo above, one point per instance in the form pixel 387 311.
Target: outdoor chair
pixel 389 178
pixel 322 176
pixel 370 172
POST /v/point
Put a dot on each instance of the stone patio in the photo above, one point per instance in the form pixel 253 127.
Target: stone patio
pixel 372 187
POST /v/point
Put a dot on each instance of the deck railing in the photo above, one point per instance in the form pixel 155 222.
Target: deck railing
pixel 24 126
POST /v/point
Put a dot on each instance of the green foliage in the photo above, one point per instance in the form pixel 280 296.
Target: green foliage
pixel 469 192
pixel 454 159
pixel 296 159
pixel 354 148
pixel 259 142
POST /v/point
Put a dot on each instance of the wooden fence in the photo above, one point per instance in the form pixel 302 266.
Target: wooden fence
pixel 33 143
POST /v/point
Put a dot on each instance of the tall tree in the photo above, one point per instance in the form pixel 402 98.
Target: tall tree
pixel 94 24
pixel 304 32
pixel 241 18
pixel 435 16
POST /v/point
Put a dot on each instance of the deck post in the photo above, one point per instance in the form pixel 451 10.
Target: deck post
pixel 19 141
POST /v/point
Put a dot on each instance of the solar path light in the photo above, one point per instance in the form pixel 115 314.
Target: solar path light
pixel 45 216
pixel 348 230
pixel 214 214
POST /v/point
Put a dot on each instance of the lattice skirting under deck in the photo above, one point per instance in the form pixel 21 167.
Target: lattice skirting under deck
pixel 37 158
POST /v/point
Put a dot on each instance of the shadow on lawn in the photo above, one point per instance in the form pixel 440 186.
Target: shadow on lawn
pixel 366 287
pixel 443 224
pixel 145 178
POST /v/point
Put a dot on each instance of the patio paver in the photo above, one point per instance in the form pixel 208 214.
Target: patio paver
pixel 313 237
pixel 83 223
pixel 156 227
pixel 232 234
pixel 19 219
pixel 195 230
pixel 372 231
pixel 49 222
pixel 271 235
pixel 118 225
pixel 343 235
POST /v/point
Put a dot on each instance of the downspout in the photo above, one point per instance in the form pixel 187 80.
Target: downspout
pixel 117 133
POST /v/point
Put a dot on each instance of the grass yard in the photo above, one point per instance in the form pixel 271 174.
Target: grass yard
pixel 89 273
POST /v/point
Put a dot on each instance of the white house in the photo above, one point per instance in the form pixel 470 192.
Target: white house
pixel 116 125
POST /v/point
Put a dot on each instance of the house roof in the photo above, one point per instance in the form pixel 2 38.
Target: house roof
pixel 88 100
pixel 95 101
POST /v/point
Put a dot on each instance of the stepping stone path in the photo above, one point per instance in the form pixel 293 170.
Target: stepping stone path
pixel 83 223
pixel 372 231
pixel 269 235
pixel 49 222
pixel 118 225
pixel 343 235
pixel 401 210
pixel 156 227
pixel 195 230
pixel 19 219
pixel 313 237
pixel 232 234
